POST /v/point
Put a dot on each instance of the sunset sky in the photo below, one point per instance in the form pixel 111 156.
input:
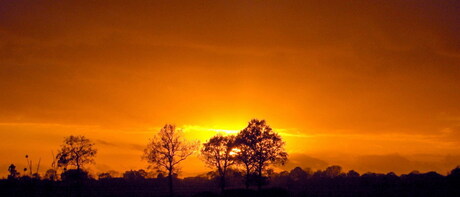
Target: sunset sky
pixel 368 85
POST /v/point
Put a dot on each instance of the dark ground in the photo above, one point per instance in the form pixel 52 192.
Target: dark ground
pixel 427 184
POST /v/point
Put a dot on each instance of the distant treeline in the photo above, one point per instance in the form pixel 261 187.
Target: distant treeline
pixel 297 182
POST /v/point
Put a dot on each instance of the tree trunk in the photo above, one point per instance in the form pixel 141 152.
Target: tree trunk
pixel 78 165
pixel 247 178
pixel 259 179
pixel 77 162
pixel 222 183
pixel 170 183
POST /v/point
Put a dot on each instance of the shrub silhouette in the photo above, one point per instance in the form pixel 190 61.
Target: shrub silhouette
pixel 74 175
pixel 13 172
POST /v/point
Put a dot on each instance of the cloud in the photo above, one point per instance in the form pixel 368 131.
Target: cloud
pixel 384 163
pixel 195 128
pixel 122 145
pixel 105 143
pixel 137 147
pixel 304 161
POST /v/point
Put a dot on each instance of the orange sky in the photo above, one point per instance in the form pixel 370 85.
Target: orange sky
pixel 371 86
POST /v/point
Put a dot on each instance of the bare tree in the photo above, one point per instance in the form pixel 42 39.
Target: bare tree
pixel 166 150
pixel 76 151
pixel 259 146
pixel 219 153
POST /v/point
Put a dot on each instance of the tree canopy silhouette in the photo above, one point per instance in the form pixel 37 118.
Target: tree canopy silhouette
pixel 13 172
pixel 51 175
pixel 134 175
pixel 333 171
pixel 167 149
pixel 76 151
pixel 218 153
pixel 259 146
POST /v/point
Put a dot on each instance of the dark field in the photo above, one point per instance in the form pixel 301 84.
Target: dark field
pixel 283 184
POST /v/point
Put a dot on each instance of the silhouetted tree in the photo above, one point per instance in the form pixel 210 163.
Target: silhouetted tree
pixel 75 176
pixel 455 172
pixel 218 153
pixel 298 174
pixel 135 175
pixel 36 176
pixel 391 174
pixel 352 173
pixel 13 172
pixel 107 175
pixel 167 149
pixel 104 175
pixel 160 176
pixel 51 174
pixel 259 146
pixel 76 151
pixel 333 171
